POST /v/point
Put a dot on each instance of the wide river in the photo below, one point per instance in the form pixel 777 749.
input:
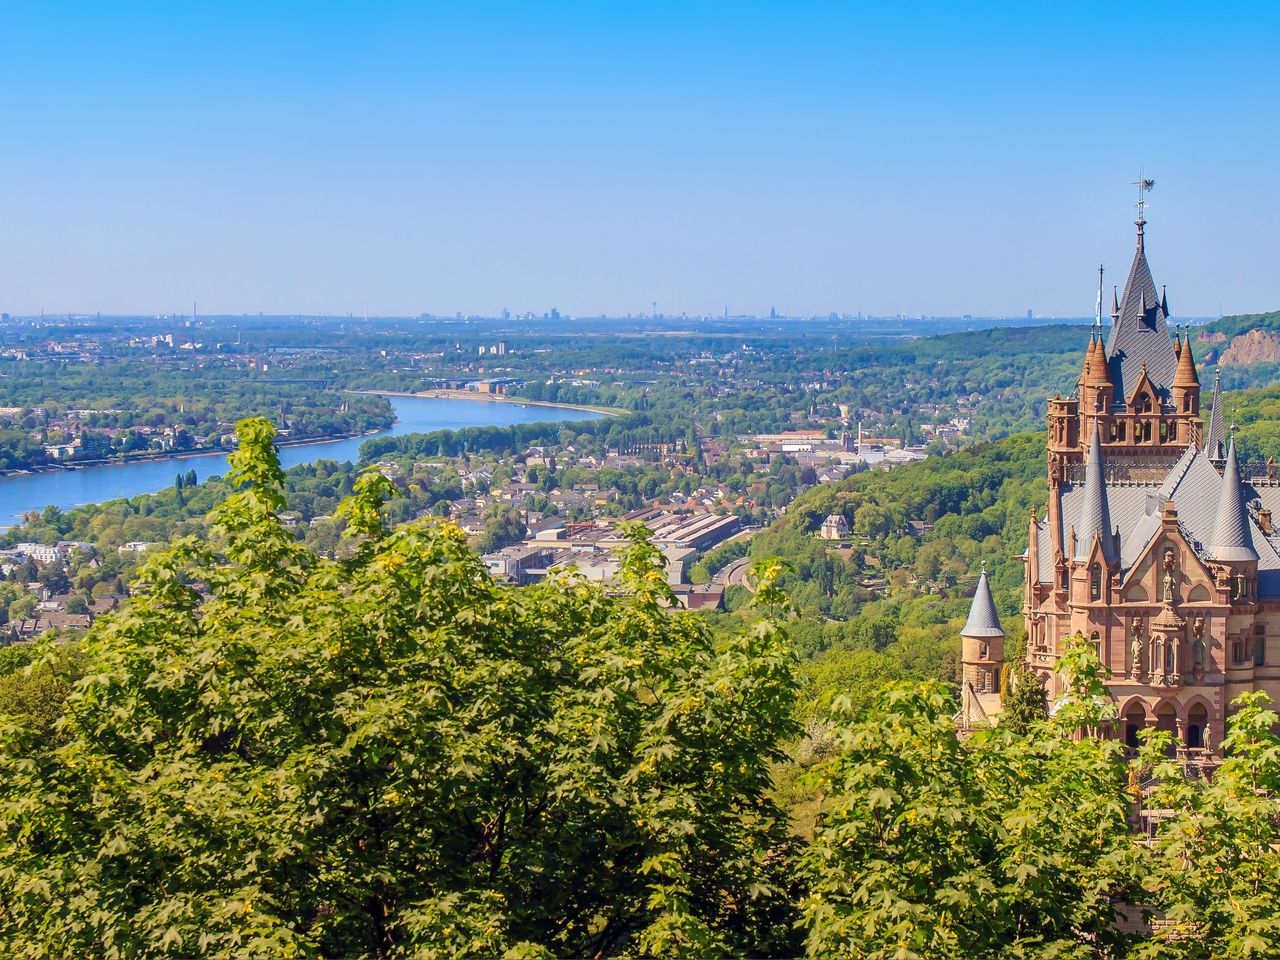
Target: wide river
pixel 72 488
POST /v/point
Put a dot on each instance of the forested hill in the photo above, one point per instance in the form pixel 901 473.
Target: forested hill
pixel 890 605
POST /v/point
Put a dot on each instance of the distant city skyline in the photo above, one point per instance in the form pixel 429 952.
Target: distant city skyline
pixel 396 159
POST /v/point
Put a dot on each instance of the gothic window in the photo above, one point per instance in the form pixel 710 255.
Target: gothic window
pixel 1169 650
pixel 1097 643
pixel 1146 433
pixel 1142 404
pixel 1120 430
pixel 984 650
pixel 1095 582
pixel 1164 431
pixel 1259 644
pixel 1186 404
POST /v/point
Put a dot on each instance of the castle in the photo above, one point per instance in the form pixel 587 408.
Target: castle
pixel 1153 545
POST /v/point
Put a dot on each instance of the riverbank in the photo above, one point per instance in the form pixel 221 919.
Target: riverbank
pixel 162 456
pixel 494 398
pixel 66 489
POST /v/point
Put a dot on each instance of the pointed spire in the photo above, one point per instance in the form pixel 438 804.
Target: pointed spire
pixel 1164 301
pixel 1186 375
pixel 983 620
pixel 1087 371
pixel 1139 334
pixel 1177 342
pixel 1216 435
pixel 1095 513
pixel 1115 304
pixel 1098 373
pixel 1232 540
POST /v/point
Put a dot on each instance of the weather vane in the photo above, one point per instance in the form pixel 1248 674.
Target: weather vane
pixel 1144 185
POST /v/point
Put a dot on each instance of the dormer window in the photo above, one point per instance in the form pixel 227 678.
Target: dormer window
pixel 1142 403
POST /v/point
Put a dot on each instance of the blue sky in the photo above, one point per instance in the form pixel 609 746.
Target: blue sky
pixel 920 158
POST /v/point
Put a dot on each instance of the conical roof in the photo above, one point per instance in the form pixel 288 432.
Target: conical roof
pixel 1232 539
pixel 1086 372
pixel 1139 334
pixel 1186 375
pixel 1095 513
pixel 983 620
pixel 1216 436
pixel 1099 373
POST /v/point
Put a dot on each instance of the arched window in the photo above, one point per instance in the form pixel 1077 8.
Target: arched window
pixel 1095 582
pixel 1197 720
pixel 1170 650
pixel 1164 431
pixel 1142 403
pixel 1097 643
pixel 1186 404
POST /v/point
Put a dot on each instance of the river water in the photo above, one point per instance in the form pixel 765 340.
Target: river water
pixel 72 488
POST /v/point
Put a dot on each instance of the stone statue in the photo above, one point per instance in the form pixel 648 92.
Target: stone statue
pixel 1197 648
pixel 1169 582
pixel 1135 650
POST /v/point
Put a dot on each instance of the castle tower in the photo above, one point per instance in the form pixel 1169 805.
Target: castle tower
pixel 982 641
pixel 1156 545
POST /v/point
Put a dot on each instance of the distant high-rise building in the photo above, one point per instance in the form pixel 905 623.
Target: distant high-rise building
pixel 1030 315
pixel 773 313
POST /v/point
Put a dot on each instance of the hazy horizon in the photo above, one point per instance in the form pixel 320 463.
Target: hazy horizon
pixel 395 160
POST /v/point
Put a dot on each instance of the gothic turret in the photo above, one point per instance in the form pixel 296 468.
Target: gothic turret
pixel 1186 382
pixel 1215 435
pixel 982 641
pixel 1232 540
pixel 1095 513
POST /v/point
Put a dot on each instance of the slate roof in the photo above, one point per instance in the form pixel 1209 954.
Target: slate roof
pixel 1095 515
pixel 983 620
pixel 1231 534
pixel 1215 437
pixel 1139 334
pixel 1197 489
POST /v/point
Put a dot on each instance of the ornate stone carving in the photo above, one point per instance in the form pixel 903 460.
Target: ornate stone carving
pixel 1170 594
pixel 1137 670
pixel 1197 649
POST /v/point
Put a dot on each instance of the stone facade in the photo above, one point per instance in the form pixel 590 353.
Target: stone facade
pixel 1152 545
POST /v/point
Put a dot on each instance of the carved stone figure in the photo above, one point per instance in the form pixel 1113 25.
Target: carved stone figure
pixel 1136 670
pixel 1169 580
pixel 1197 648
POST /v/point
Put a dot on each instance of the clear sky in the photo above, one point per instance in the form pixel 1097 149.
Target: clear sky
pixel 920 158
